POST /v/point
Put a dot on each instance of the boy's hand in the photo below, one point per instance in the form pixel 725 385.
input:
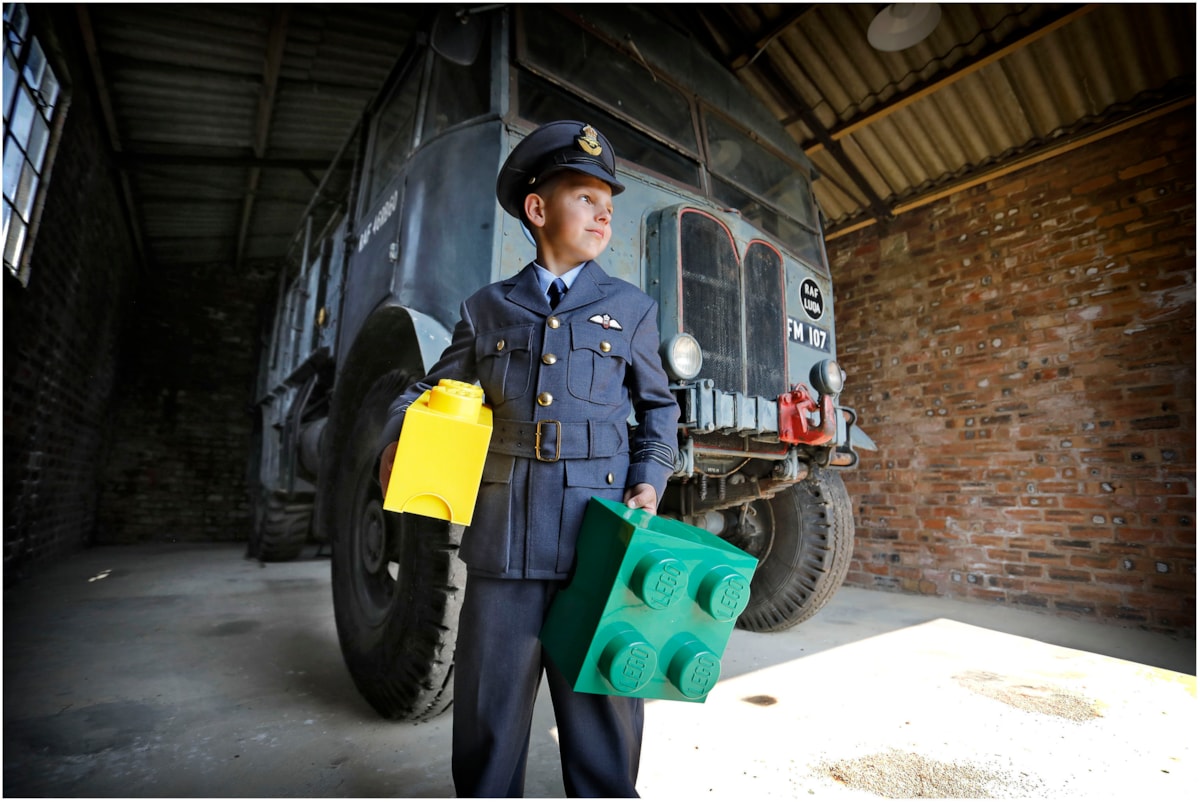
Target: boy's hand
pixel 385 466
pixel 643 496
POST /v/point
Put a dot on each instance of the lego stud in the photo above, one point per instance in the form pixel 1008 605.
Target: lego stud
pixel 659 579
pixel 694 669
pixel 628 661
pixel 456 399
pixel 724 593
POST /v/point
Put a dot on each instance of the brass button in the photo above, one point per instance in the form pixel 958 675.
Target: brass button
pixel 553 322
pixel 545 399
pixel 609 478
pixel 500 345
pixel 549 359
pixel 605 346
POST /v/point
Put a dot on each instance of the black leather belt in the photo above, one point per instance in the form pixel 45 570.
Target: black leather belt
pixel 552 440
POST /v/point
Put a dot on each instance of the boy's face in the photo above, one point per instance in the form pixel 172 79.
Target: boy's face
pixel 573 220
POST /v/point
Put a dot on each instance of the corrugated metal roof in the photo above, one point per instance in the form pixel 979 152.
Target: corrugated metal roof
pixel 225 115
pixel 991 83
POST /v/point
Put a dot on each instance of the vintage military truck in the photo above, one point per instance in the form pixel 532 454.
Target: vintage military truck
pixel 717 223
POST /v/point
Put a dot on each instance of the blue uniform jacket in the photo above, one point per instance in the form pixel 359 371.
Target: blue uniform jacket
pixel 588 365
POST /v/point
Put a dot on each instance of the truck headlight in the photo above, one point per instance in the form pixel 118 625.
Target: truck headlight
pixel 684 357
pixel 827 377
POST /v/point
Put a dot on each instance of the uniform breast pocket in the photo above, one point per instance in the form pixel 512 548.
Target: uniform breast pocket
pixel 503 360
pixel 596 368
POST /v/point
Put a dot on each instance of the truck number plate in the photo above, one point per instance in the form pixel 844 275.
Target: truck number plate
pixel 807 334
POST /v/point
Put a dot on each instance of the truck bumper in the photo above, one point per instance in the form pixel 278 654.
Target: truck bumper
pixel 806 422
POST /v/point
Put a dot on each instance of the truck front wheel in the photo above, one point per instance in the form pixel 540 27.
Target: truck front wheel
pixel 804 539
pixel 397 581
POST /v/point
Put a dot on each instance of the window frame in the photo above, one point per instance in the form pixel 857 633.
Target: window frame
pixel 34 35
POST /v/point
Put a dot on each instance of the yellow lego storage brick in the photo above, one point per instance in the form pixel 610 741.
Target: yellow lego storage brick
pixel 440 456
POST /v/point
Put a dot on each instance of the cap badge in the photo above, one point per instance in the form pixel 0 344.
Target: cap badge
pixel 589 141
pixel 606 320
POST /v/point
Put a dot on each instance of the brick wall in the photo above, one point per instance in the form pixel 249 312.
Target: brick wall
pixel 126 397
pixel 177 469
pixel 62 337
pixel 1023 354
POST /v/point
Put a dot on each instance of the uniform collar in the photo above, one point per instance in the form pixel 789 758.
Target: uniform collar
pixel 586 288
pixel 546 278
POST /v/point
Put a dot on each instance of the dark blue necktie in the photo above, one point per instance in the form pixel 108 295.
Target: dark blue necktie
pixel 557 290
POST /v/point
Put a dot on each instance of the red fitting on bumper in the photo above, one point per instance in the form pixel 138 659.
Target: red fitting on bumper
pixel 796 427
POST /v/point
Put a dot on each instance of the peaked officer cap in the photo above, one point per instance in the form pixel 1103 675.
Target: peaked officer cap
pixel 562 145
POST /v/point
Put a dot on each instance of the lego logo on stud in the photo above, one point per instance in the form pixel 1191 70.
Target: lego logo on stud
pixel 694 669
pixel 659 579
pixel 724 593
pixel 628 661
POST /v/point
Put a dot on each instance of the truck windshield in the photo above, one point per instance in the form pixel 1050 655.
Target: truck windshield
pixel 768 191
pixel 568 54
pixel 542 102
pixel 650 123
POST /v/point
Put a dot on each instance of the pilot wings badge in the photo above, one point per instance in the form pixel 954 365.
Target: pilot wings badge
pixel 606 320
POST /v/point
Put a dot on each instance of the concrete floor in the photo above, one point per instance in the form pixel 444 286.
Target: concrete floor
pixel 186 670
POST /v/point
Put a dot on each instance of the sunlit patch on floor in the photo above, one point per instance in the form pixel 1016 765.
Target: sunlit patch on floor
pixel 1034 698
pixel 908 775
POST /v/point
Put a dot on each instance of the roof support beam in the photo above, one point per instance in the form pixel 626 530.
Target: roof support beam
pixel 804 113
pixel 985 57
pixel 276 39
pixel 1050 151
pixel 88 33
pixel 136 160
pixel 781 25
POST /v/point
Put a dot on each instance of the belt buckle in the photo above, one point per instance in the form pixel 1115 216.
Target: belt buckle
pixel 537 440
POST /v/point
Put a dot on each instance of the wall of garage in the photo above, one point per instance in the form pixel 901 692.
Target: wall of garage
pixel 177 471
pixel 127 392
pixel 1023 354
pixel 63 336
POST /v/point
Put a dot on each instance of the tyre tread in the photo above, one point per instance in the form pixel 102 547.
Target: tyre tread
pixel 826 526
pixel 284 529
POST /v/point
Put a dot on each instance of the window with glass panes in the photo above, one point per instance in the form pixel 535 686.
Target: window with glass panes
pixel 31 94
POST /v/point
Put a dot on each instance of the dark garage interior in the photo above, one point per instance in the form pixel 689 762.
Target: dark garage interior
pixel 1009 218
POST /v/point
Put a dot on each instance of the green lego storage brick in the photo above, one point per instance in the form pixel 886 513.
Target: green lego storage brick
pixel 650 608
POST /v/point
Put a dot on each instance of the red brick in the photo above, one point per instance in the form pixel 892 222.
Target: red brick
pixel 1011 401
pixel 1123 216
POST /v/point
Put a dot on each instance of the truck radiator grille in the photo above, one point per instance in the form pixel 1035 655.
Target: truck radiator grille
pixel 766 326
pixel 712 297
pixel 734 307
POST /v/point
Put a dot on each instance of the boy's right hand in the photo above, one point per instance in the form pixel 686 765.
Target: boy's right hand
pixel 385 466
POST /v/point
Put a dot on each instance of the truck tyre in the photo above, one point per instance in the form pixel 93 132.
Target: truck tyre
pixel 804 548
pixel 397 580
pixel 282 526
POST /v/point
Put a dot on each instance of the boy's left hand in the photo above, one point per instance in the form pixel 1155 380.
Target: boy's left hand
pixel 643 496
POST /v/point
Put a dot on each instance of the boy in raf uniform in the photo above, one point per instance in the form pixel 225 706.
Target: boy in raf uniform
pixel 564 353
